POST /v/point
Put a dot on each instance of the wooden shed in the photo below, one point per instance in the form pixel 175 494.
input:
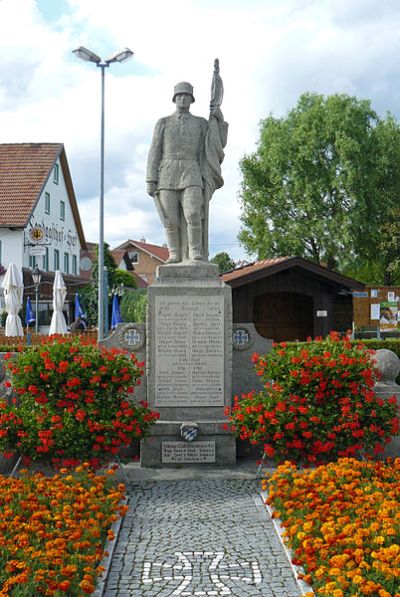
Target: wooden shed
pixel 290 298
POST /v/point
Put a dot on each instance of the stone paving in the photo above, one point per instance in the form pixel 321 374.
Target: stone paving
pixel 199 537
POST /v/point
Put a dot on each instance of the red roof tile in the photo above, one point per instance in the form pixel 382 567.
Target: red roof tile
pixel 252 267
pixel 24 169
pixel 160 253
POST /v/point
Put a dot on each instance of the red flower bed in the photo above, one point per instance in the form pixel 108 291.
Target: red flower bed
pixel 74 403
pixel 317 404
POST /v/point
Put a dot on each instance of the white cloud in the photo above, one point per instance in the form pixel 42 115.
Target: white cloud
pixel 270 52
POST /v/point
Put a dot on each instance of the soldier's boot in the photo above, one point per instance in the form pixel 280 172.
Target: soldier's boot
pixel 195 242
pixel 173 241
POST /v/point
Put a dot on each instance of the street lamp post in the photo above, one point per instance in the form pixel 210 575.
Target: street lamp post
pixel 37 277
pixel 90 56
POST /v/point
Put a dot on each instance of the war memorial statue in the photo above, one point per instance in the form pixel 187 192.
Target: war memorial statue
pixel 189 315
pixel 184 170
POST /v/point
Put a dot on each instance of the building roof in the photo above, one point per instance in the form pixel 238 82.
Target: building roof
pixel 160 253
pixel 268 267
pixel 24 171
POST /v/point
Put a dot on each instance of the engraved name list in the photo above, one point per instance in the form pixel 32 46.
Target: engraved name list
pixel 189 345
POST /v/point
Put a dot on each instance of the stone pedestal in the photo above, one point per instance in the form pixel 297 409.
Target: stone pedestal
pixel 189 367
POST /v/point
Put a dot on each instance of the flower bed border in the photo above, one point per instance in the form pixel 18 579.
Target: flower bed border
pixel 109 547
pixel 303 586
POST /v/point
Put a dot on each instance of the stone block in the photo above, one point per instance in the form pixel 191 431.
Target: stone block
pixel 189 362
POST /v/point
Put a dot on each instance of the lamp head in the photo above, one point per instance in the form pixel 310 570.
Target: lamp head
pixel 36 276
pixel 121 56
pixel 86 55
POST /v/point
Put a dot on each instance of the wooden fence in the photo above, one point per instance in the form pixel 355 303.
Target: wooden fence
pixel 33 339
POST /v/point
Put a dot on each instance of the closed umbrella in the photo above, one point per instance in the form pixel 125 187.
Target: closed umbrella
pixel 78 309
pixel 115 313
pixel 13 293
pixel 58 324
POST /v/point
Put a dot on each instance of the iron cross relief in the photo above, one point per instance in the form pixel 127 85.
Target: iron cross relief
pixel 201 573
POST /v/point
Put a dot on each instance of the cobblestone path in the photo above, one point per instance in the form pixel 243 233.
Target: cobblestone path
pixel 193 538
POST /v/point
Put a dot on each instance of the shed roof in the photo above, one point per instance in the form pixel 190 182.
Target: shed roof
pixel 268 267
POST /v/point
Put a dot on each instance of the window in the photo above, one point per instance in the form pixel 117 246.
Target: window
pixel 46 260
pixel 74 265
pixel 56 259
pixel 56 174
pixel 1 252
pixel 133 256
pixel 32 261
pixel 66 263
pixel 62 210
pixel 47 203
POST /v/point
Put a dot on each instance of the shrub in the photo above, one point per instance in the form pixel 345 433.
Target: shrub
pixel 317 404
pixel 73 402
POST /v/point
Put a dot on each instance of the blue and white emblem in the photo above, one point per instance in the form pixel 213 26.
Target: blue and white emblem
pixel 189 431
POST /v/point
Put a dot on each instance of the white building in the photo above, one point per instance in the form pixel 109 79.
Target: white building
pixel 39 217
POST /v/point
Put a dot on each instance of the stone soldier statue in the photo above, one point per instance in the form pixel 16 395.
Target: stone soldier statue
pixel 183 170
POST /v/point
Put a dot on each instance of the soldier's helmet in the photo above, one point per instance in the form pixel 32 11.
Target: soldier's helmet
pixel 183 87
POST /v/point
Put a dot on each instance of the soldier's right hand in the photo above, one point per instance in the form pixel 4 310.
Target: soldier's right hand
pixel 151 188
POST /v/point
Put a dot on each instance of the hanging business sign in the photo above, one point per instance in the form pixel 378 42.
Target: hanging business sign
pixel 37 250
pixel 36 235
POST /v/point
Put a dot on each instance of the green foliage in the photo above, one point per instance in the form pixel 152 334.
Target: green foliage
pixel 224 262
pixel 134 305
pixel 89 294
pixel 321 185
pixel 123 277
pixel 73 402
pixel 390 344
pixel 389 246
pixel 317 404
pixel 3 317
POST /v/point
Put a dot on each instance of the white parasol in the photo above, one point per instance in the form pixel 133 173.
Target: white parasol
pixel 13 293
pixel 58 324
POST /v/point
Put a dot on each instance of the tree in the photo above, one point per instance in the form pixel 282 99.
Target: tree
pixel 322 183
pixel 389 245
pixel 224 262
pixel 121 276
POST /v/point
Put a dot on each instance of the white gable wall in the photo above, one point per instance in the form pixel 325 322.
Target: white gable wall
pixel 11 247
pixel 59 235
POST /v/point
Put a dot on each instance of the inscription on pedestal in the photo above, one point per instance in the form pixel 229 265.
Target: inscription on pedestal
pixel 189 351
pixel 177 452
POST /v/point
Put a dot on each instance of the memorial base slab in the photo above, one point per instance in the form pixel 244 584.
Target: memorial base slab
pixel 189 367
pixel 165 447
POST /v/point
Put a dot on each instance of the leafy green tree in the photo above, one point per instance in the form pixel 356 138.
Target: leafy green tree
pixel 321 185
pixel 390 247
pixel 134 305
pixel 123 277
pixel 224 262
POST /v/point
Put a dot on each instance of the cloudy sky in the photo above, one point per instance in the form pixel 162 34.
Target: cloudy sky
pixel 270 52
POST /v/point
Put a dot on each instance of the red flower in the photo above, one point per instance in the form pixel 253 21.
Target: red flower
pixel 269 450
pixel 80 415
